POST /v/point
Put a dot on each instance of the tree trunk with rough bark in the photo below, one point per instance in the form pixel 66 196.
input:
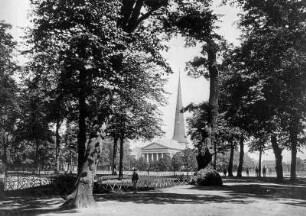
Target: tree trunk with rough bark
pixel 114 156
pixel 278 157
pixel 293 157
pixel 215 155
pixel 294 142
pixel 121 159
pixel 5 145
pixel 241 155
pixel 82 121
pixel 213 89
pixel 231 160
pixel 213 104
pixel 259 162
pixel 204 157
pixel 82 194
pixel 57 146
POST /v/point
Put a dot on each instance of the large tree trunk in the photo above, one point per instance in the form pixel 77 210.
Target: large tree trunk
pixel 278 158
pixel 294 142
pixel 36 161
pixel 5 144
pixel 259 162
pixel 215 155
pixel 231 159
pixel 57 146
pixel 114 155
pixel 121 159
pixel 82 195
pixel 82 121
pixel 293 156
pixel 241 155
pixel 204 157
pixel 214 86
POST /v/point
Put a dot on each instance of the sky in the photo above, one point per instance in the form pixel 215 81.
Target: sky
pixel 15 12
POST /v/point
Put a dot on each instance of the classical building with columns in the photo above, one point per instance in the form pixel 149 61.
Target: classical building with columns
pixel 159 148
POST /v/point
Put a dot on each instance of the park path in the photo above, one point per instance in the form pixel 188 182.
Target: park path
pixel 243 198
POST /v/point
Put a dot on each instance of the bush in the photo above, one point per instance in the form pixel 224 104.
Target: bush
pixel 207 177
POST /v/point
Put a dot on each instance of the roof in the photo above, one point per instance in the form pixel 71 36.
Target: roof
pixel 167 143
pixel 179 125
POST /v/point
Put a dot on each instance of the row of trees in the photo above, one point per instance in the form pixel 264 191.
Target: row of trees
pixel 262 85
pixel 91 63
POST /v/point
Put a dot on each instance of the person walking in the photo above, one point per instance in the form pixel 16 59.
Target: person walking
pixel 264 171
pixel 135 178
pixel 247 171
pixel 224 172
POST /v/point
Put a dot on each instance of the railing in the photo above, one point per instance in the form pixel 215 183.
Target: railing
pixel 24 182
pixel 144 183
pixel 147 173
pixel 104 181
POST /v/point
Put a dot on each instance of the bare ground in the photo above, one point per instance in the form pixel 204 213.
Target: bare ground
pixel 236 197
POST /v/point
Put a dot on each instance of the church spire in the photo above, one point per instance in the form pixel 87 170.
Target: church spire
pixel 179 124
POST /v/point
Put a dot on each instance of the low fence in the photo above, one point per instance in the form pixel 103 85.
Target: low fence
pixel 103 182
pixel 147 173
pixel 24 182
pixel 144 183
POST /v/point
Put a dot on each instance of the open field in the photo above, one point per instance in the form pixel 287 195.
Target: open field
pixel 247 196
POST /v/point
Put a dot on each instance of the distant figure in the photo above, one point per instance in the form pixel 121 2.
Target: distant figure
pixel 135 178
pixel 257 171
pixel 224 172
pixel 247 171
pixel 264 171
pixel 115 170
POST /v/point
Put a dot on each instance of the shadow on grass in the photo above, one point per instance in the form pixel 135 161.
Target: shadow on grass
pixel 160 198
pixel 234 191
pixel 31 206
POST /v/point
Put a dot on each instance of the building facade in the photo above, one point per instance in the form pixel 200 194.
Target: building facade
pixel 160 148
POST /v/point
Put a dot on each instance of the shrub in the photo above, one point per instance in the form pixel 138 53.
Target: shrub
pixel 207 177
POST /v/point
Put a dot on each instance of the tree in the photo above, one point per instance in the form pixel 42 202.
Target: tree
pixel 189 159
pixel 164 163
pixel 82 40
pixel 260 145
pixel 141 164
pixel 273 55
pixel 132 12
pixel 198 129
pixel 177 161
pixel 196 22
pixel 8 92
pixel 32 126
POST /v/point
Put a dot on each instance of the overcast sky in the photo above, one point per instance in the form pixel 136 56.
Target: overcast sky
pixel 193 90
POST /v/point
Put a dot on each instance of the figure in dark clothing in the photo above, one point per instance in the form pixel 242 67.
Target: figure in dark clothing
pixel 224 172
pixel 135 178
pixel 264 171
pixel 257 172
pixel 247 171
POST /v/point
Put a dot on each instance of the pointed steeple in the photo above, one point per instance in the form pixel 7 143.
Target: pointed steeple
pixel 179 123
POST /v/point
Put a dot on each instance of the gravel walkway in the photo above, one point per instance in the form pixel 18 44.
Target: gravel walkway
pixel 234 198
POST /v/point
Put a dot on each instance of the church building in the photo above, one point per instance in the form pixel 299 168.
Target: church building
pixel 159 148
